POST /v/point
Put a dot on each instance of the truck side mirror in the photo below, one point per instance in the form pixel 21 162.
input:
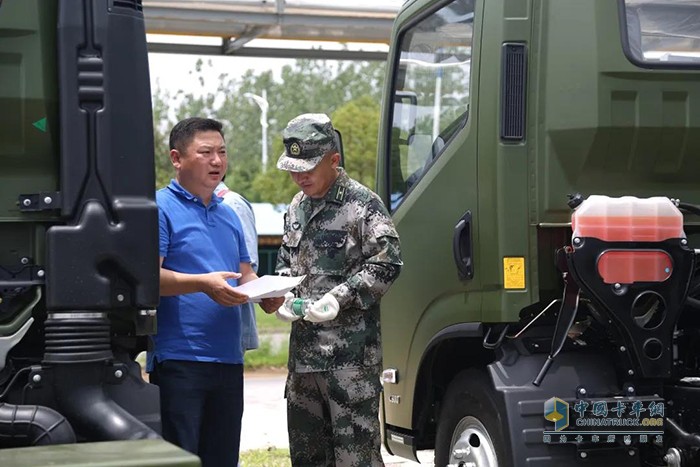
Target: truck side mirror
pixel 339 145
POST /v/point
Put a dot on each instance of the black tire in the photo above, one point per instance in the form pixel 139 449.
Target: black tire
pixel 469 403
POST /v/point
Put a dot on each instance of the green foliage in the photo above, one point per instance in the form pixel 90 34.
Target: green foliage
pixel 268 355
pixel 164 169
pixel 268 324
pixel 270 457
pixel 358 123
pixel 274 343
pixel 349 92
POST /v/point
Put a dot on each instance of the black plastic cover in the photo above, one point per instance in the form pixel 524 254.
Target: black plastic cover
pixel 106 254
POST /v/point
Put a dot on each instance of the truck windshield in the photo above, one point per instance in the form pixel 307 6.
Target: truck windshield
pixel 430 92
pixel 663 31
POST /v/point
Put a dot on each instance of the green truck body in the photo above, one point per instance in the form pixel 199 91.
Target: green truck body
pixel 494 112
pixel 101 454
pixel 78 237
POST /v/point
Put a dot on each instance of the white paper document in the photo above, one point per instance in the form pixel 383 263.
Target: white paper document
pixel 269 287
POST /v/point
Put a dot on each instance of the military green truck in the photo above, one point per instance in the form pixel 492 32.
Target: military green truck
pixel 540 159
pixel 78 236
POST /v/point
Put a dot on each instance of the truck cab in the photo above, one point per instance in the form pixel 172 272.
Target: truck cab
pixel 79 268
pixel 502 120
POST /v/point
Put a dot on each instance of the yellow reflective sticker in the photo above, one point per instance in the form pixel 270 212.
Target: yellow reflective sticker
pixel 514 273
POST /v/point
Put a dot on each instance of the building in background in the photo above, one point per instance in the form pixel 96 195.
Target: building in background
pixel 269 222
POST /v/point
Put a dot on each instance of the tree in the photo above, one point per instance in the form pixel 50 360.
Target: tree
pixel 306 86
pixel 358 123
pixel 164 169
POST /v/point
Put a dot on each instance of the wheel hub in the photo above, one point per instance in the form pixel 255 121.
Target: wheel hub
pixel 471 445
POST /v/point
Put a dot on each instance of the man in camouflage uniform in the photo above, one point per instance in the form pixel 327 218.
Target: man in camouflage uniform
pixel 339 234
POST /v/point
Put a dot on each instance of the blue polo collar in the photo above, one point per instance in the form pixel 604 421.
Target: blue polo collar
pixel 176 188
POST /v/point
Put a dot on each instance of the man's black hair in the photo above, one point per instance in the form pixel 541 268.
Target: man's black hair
pixel 181 135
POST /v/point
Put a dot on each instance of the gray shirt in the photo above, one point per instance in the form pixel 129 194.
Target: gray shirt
pixel 244 211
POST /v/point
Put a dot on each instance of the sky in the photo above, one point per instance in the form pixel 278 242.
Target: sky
pixel 173 72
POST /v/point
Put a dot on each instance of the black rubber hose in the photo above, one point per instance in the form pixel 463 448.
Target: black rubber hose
pixel 79 392
pixel 77 340
pixel 78 350
pixel 690 208
pixel 33 425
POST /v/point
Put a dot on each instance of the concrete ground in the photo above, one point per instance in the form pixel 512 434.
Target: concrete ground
pixel 265 418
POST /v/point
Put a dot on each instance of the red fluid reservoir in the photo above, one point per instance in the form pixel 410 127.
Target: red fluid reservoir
pixel 630 219
pixel 627 219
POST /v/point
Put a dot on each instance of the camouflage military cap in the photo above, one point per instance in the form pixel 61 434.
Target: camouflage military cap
pixel 307 139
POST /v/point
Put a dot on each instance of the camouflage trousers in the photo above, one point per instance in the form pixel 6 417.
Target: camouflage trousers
pixel 333 418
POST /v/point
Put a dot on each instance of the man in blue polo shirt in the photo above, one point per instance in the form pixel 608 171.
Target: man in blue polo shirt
pixel 203 257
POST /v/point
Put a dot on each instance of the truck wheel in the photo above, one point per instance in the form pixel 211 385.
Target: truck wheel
pixel 470 427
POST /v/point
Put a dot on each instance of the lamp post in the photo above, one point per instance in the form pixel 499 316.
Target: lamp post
pixel 263 104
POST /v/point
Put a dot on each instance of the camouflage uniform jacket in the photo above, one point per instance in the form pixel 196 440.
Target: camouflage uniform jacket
pixel 347 245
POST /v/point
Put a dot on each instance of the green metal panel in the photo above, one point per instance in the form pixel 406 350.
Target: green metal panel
pixel 404 348
pixel 140 453
pixel 267 259
pixel 29 103
pixel 503 172
pixel 604 125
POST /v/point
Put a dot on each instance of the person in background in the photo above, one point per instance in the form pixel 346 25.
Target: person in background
pixel 244 211
pixel 197 349
pixel 241 206
pixel 339 234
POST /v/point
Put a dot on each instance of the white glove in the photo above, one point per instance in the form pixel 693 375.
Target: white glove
pixel 285 313
pixel 324 309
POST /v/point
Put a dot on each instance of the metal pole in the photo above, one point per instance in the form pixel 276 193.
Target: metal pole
pixel 437 105
pixel 263 104
pixel 263 122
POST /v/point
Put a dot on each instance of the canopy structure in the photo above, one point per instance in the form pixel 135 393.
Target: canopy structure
pixel 237 22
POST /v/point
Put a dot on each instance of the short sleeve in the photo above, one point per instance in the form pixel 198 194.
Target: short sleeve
pixel 242 249
pixel 164 233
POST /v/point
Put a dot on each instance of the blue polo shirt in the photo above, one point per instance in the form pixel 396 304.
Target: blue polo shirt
pixel 197 239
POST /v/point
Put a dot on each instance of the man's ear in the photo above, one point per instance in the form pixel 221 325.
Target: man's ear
pixel 175 157
pixel 335 160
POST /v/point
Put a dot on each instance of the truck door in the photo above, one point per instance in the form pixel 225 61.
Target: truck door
pixel 428 175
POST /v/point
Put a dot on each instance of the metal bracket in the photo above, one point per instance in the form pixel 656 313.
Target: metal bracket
pixel 8 342
pixel 44 201
pixel 23 276
pixel 488 344
pixel 17 282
